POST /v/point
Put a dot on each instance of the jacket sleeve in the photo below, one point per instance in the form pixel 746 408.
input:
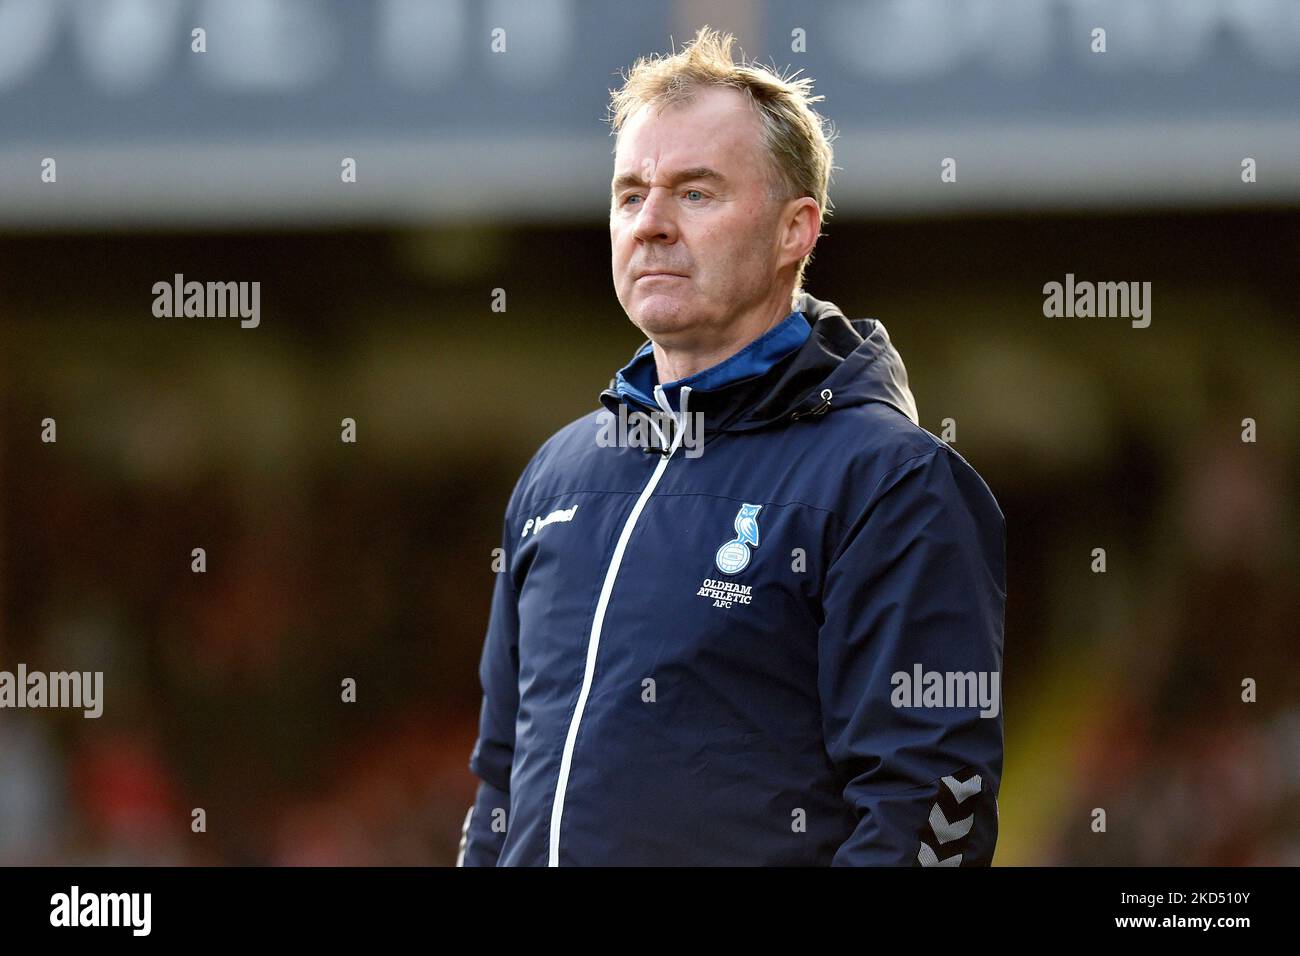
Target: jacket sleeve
pixel 484 829
pixel 917 587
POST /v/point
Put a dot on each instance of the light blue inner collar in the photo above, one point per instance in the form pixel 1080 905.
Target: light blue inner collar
pixel 636 381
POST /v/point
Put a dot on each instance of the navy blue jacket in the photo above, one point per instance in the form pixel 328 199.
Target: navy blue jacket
pixel 697 660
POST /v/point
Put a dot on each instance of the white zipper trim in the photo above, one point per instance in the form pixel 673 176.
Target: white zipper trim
pixel 593 643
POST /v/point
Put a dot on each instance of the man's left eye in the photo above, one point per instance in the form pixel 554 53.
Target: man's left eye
pixel 694 194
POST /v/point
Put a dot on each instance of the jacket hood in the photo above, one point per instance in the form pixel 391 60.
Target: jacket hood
pixel 843 362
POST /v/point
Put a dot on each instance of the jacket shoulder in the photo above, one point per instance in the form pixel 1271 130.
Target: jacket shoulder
pixel 878 443
pixel 563 455
pixel 879 434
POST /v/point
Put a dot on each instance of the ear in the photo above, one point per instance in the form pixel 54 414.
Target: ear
pixel 801 221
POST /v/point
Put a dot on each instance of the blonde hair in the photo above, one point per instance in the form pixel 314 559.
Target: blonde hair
pixel 797 138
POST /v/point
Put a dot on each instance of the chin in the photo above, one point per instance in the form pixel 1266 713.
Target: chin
pixel 661 315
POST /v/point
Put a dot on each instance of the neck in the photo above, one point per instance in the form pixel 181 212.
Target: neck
pixel 676 361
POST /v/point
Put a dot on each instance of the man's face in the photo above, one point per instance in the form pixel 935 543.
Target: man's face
pixel 694 230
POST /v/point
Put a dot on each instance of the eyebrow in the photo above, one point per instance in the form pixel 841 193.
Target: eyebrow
pixel 624 180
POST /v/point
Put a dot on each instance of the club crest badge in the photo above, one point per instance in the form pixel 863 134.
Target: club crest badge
pixel 733 556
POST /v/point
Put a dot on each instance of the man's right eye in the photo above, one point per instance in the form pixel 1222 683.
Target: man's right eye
pixel 627 199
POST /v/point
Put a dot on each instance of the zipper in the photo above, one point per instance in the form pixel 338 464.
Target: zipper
pixel 593 645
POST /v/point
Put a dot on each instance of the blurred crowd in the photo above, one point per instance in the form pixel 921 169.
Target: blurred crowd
pixel 223 690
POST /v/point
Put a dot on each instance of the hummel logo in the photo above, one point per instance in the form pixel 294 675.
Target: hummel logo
pixel 945 829
pixel 537 524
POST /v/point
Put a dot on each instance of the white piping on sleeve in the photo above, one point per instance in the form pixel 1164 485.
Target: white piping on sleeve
pixel 598 621
pixel 464 836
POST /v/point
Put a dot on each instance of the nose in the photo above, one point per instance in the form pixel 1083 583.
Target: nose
pixel 655 219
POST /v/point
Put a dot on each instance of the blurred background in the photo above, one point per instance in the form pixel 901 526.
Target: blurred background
pixel 481 169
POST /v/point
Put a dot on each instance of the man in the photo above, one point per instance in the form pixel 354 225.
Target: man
pixel 748 655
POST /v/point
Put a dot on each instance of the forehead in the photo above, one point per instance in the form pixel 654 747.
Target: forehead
pixel 716 127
